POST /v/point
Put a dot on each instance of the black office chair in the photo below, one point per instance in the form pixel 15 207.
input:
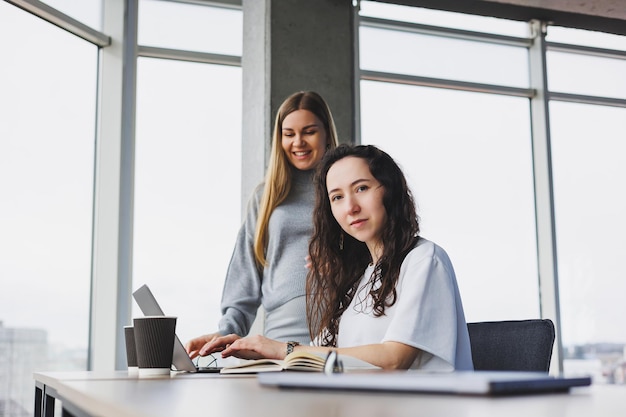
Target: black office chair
pixel 516 345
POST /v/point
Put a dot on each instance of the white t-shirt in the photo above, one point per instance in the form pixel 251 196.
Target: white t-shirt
pixel 428 313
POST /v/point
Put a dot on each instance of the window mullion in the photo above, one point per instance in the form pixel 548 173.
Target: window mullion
pixel 544 197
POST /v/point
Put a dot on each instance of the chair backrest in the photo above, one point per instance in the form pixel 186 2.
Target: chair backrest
pixel 515 345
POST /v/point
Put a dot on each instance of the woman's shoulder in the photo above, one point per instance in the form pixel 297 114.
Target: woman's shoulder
pixel 427 256
pixel 257 193
pixel 254 201
pixel 426 249
pixel 258 190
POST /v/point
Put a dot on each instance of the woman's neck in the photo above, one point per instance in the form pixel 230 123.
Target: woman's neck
pixel 376 250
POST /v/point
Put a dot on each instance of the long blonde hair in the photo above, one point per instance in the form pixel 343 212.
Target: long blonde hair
pixel 278 176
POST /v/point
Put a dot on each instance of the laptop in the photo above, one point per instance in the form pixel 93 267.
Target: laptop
pixel 490 383
pixel 181 360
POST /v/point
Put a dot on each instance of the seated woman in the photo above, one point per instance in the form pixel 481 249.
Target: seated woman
pixel 376 290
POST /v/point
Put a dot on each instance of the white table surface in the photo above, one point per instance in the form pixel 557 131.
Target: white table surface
pixel 116 394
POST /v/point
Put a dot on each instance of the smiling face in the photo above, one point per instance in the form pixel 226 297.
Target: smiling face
pixel 356 201
pixel 304 139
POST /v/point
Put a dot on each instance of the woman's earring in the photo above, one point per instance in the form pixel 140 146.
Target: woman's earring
pixel 341 241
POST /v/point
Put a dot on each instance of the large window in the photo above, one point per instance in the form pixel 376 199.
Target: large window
pixel 47 141
pixel 190 27
pixel 589 165
pixel 187 179
pixel 456 115
pixel 450 154
pixel 187 186
pixel 467 154
pixel 188 160
pixel 589 153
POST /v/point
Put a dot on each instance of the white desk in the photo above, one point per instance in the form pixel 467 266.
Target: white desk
pixel 114 394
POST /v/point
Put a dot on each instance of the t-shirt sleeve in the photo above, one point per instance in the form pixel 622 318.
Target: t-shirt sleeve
pixel 426 316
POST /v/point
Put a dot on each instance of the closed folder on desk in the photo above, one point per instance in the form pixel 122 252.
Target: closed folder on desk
pixel 463 382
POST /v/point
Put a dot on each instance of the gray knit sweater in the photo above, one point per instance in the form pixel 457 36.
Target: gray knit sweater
pixel 280 286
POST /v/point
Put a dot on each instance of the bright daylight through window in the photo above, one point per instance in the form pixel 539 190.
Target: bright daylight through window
pixel 455 110
pixel 469 155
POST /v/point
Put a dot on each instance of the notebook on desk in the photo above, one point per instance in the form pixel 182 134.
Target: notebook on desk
pixel 462 382
pixel 150 307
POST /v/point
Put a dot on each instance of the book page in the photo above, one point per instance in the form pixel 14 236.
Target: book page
pixel 254 366
pixel 297 361
pixel 313 361
pixel 305 361
pixel 300 361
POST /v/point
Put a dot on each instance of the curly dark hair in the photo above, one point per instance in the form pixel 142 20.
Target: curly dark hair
pixel 338 260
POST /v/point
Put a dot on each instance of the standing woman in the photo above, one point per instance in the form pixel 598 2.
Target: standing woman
pixel 377 290
pixel 267 265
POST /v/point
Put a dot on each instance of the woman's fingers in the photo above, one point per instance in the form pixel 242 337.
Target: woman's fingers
pixel 218 344
pixel 255 347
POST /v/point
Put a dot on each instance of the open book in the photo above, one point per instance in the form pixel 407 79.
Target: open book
pixel 296 361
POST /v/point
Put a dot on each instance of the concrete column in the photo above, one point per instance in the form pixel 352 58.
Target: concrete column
pixel 288 46
pixel 292 45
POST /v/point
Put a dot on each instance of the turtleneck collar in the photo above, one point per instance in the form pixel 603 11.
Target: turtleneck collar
pixel 300 177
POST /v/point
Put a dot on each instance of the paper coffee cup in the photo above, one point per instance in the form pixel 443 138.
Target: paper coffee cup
pixel 131 350
pixel 154 342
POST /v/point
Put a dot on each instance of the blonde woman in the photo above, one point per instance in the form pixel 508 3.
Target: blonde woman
pixel 267 266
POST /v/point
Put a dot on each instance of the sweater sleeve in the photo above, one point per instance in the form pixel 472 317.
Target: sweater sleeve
pixel 241 295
